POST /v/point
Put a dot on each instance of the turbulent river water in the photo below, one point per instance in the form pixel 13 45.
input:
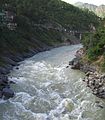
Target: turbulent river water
pixel 47 90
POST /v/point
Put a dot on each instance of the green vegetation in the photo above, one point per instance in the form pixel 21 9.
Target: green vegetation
pixel 27 25
pixel 42 11
pixel 94 44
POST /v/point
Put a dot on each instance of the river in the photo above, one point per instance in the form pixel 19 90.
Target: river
pixel 47 90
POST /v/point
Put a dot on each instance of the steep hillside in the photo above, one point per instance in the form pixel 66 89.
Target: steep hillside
pixel 94 44
pixel 31 26
pixel 98 10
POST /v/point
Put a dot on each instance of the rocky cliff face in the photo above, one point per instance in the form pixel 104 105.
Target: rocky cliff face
pixel 98 10
pixel 86 5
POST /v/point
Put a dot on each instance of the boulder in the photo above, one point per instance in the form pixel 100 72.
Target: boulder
pixel 71 62
pixel 7 93
pixel 75 63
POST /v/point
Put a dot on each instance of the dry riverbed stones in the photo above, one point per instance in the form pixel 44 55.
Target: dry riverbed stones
pixel 96 82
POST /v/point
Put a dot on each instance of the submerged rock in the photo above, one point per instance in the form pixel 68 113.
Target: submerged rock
pixel 17 68
pixel 67 66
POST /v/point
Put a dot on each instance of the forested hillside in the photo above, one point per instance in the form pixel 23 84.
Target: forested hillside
pixel 94 43
pixel 30 26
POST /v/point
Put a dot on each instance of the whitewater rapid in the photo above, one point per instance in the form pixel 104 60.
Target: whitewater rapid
pixel 46 90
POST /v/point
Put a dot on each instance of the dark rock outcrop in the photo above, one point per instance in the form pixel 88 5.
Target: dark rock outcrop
pixel 75 64
pixel 5 91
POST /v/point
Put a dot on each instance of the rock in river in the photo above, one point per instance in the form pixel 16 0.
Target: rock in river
pixel 7 93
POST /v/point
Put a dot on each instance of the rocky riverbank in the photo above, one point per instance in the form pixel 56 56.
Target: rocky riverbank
pixel 96 82
pixel 5 91
pixel 12 60
pixel 94 79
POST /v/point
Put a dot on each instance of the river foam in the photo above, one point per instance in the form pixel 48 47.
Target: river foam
pixel 47 90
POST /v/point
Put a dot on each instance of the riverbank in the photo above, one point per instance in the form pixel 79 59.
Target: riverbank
pixel 49 90
pixel 13 60
pixel 94 79
pixel 5 84
pixel 5 90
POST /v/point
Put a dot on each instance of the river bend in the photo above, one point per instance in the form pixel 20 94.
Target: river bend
pixel 47 90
